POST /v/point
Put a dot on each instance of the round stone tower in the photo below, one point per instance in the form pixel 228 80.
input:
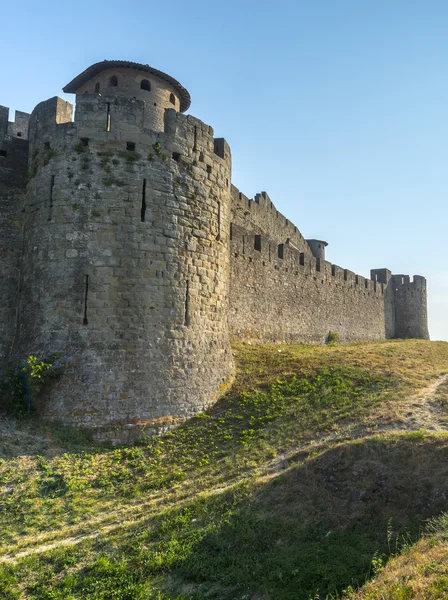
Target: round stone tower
pixel 317 247
pixel 410 306
pixel 126 258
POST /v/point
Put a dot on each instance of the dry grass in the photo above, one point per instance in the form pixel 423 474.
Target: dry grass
pixel 420 573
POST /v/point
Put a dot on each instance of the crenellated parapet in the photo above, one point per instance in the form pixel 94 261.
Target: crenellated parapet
pixel 261 216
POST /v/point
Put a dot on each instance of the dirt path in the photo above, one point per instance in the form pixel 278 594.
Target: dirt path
pixel 425 411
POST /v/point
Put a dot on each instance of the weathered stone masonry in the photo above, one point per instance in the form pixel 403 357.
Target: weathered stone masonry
pixel 132 255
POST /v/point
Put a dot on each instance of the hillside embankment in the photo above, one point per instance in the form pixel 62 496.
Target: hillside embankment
pixel 320 465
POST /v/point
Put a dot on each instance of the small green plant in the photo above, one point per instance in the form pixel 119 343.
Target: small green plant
pixel 47 156
pixel 332 338
pixel 158 150
pixel 20 383
pixel 32 171
pixel 109 181
pixel 79 147
pixel 130 156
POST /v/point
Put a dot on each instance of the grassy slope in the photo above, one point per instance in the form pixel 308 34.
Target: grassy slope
pixel 268 495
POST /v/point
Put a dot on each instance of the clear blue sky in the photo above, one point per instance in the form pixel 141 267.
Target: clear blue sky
pixel 337 108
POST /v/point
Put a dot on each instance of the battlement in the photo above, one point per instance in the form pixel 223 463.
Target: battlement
pixel 13 129
pixel 261 214
pixel 287 258
pixel 402 282
pixel 48 115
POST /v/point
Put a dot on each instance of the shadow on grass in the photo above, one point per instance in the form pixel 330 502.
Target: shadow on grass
pixel 311 530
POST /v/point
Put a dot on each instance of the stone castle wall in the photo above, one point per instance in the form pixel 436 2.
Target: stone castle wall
pixel 280 292
pixel 13 172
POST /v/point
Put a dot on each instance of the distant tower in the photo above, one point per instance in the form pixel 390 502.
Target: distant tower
pixel 126 253
pixel 317 248
pixel 405 304
pixel 411 312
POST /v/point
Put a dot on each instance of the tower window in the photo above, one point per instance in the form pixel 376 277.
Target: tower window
pixel 172 99
pixel 130 146
pixel 113 81
pixel 19 134
pixel 2 153
pixel 97 87
pixel 145 85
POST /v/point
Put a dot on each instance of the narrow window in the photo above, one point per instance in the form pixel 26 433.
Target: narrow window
pixel 345 275
pixel 113 81
pixel 172 99
pixel 357 279
pixel 130 146
pixel 195 144
pixel 257 243
pixel 318 264
pixel 302 259
pixel 108 117
pixel 281 249
pixel 85 141
pixel 143 209
pixel 231 231
pixel 366 283
pixel 97 87
pixel 50 212
pixel 3 153
pixel 86 292
pixel 209 169
pixel 244 240
pixel 19 134
pixel 145 85
pixel 218 237
pixel 187 304
pixel 47 145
